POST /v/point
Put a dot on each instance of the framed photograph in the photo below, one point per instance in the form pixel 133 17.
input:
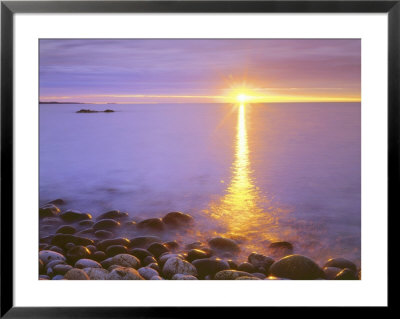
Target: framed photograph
pixel 159 155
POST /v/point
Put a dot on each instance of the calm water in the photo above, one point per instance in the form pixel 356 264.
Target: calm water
pixel 256 173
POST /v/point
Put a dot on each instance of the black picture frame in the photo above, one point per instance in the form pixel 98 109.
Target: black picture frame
pixel 9 8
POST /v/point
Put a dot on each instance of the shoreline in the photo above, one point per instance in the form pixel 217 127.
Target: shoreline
pixel 75 246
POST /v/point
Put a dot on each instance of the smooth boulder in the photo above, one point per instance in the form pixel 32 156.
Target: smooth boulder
pixel 296 267
pixel 176 265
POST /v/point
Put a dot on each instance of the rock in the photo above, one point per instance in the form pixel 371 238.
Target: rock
pixel 194 254
pixel 58 277
pixel 341 263
pixel 66 229
pixel 163 258
pixel 157 249
pixel 156 278
pixel 87 263
pixel 113 214
pixel 359 275
pixel 281 245
pixel 103 234
pixel 77 252
pixel 99 256
pixel 331 272
pixel 86 223
pixel 171 245
pixel 56 249
pixel 247 267
pixel 110 242
pixel 176 265
pixel 52 221
pixel 210 266
pixel 195 245
pixel 140 253
pixel 276 278
pixel 147 273
pixel 144 241
pixel 57 201
pixel 92 248
pixel 224 244
pixel 230 274
pixel 61 269
pixel 68 246
pixel 115 250
pixel 260 261
pixel 49 210
pixel 346 274
pixel 106 224
pixel 72 216
pixel 154 266
pixel 125 260
pixel 62 239
pixel 76 274
pixel 259 275
pixel 124 273
pixel 148 260
pixel 96 273
pixel 44 277
pixel 296 267
pixel 151 224
pixel 183 277
pixel 87 231
pixel 247 278
pixel 47 256
pixel 54 263
pixel 178 219
pixel 232 265
pixel 41 267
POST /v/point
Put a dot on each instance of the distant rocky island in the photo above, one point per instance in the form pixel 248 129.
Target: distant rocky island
pixel 93 111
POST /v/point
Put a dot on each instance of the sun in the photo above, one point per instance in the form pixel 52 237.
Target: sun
pixel 242 98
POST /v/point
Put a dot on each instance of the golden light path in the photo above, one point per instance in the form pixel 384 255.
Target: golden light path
pixel 244 212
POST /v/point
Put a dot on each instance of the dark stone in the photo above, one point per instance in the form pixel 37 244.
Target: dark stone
pixel 153 266
pixel 92 248
pixel 195 245
pixel 172 245
pixel 140 253
pixel 57 201
pixel 68 246
pixel 209 266
pixel 66 229
pixel 232 265
pixel 77 252
pixel 72 216
pixel 87 231
pixel 149 260
pixel 41 267
pixel 346 274
pixel 109 242
pixel 99 256
pixel 281 244
pixel 225 244
pixel 247 267
pixel 58 277
pixel 86 223
pixel 106 224
pixel 178 219
pixel 57 249
pixel 260 262
pixel 113 214
pixel 62 239
pixel 144 241
pixel 113 250
pixel 76 274
pixel 103 234
pixel 61 269
pixel 341 263
pixel 157 249
pixel 46 240
pixel 49 210
pixel 43 246
pixel 194 254
pixel 296 267
pixel 151 224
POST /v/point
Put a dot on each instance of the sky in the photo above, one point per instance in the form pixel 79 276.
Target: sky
pixel 200 71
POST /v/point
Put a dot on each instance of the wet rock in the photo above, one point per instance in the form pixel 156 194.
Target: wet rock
pixel 124 273
pixel 172 245
pixel 259 275
pixel 149 260
pixel 183 277
pixel 76 274
pixel 52 221
pixel 47 256
pixel 232 264
pixel 113 214
pixel 99 256
pixel 176 265
pixel 87 263
pixel 276 278
pixel 140 253
pixel 43 247
pixel 230 274
pixel 41 267
pixel 78 252
pixel 46 240
pixel 96 273
pixel 58 201
pixel 224 244
pixel 157 249
pixel 144 241
pixel 156 278
pixel 194 254
pixel 44 277
pixel 154 224
pixel 147 273
pixel 341 263
pixel 178 219
pixel 68 246
pixel 87 231
pixel 58 277
pixel 62 239
pixel 247 278
pixel 163 258
pixel 72 216
pixel 331 272
pixel 86 223
pixel 61 269
pixel 346 274
pixel 103 234
pixel 195 245
pixel 154 266
pixel 49 210
pixel 281 245
pixel 115 250
pixel 296 267
pixel 209 266
pixel 106 224
pixel 92 248
pixel 54 263
pixel 102 245
pixel 57 249
pixel 247 267
pixel 125 260
pixel 260 262
pixel 66 229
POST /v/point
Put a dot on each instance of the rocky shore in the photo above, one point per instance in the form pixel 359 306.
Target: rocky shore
pixel 75 246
